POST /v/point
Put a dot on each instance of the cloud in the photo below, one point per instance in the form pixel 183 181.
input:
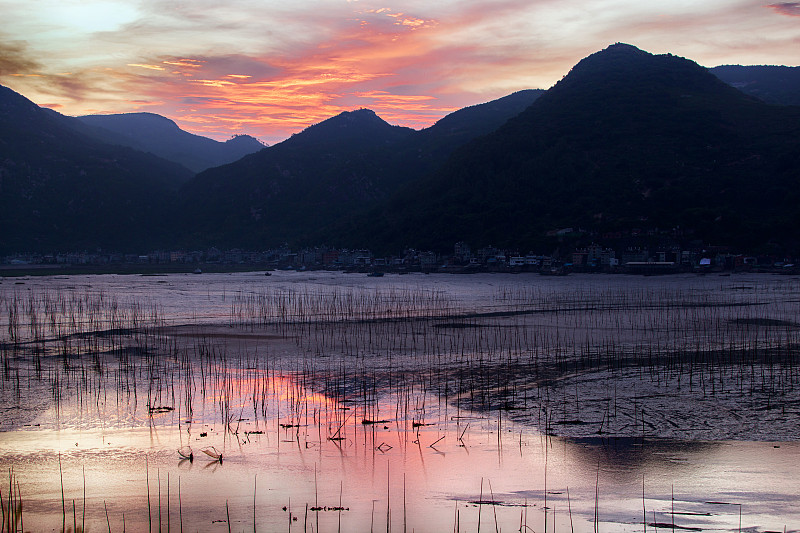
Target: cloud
pixel 15 60
pixel 790 9
pixel 150 67
pixel 273 68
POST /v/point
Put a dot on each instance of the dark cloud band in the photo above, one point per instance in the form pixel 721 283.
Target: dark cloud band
pixel 14 59
pixel 790 9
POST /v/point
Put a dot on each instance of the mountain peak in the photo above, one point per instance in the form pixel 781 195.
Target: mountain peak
pixel 621 69
pixel 623 48
pixel 363 126
pixel 357 116
pixel 618 56
pixel 242 139
pixel 363 111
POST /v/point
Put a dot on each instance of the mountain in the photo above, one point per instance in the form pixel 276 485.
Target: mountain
pixel 626 141
pixel 772 84
pixel 161 136
pixel 481 119
pixel 59 189
pixel 431 146
pixel 296 190
pixel 282 191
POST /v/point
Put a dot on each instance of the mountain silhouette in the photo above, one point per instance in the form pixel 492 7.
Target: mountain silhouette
pixel 298 189
pixel 772 84
pixel 626 143
pixel 627 140
pixel 161 136
pixel 61 190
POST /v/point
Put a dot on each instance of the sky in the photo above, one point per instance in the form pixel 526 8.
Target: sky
pixel 271 68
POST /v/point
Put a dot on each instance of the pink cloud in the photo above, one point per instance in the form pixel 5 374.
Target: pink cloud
pixel 376 65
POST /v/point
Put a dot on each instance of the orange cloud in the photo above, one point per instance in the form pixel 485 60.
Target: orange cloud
pixel 186 63
pixel 273 97
pixel 150 67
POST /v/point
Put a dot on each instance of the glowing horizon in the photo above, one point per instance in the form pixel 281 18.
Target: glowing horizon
pixel 268 69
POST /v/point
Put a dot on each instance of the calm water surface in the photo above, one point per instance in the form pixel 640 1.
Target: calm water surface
pixel 288 414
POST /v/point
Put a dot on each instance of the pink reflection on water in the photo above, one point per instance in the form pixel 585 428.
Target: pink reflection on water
pixel 437 477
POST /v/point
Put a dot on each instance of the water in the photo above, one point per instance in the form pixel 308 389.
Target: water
pixel 479 416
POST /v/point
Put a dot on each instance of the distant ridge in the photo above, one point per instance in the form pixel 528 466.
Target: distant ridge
pixel 61 190
pixel 161 136
pixel 772 84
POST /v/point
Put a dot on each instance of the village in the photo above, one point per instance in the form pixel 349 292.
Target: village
pixel 463 260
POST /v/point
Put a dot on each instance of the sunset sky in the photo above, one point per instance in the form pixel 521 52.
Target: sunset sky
pixel 271 68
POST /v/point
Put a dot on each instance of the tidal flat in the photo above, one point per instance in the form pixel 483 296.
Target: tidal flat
pixel 324 401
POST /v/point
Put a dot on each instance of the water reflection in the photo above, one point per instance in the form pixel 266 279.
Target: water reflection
pixel 429 477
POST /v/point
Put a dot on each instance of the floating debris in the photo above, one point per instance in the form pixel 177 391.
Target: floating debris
pixel 666 525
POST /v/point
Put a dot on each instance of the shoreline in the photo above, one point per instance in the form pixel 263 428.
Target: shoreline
pixel 17 271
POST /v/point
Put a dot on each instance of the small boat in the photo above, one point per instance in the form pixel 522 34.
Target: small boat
pixel 213 453
pixel 185 452
pixel 157 409
pixel 375 274
pixel 197 271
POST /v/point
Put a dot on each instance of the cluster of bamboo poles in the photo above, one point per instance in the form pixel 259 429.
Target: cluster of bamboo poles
pixel 359 345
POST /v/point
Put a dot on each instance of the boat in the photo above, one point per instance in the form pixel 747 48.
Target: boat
pixel 375 274
pixel 197 271
pixel 213 453
pixel 553 272
pixel 185 452
pixel 158 409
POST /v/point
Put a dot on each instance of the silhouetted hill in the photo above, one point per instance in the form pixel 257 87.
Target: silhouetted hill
pixel 428 149
pixel 62 190
pixel 285 190
pixel 626 140
pixel 484 118
pixel 361 127
pixel 772 84
pixel 159 135
pixel 296 189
